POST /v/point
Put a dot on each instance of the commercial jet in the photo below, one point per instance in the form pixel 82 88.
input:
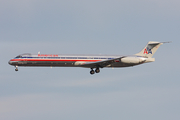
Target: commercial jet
pixel 94 62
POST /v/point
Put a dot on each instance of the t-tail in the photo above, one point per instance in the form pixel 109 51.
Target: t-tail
pixel 150 49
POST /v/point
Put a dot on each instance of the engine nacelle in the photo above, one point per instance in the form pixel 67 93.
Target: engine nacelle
pixel 133 60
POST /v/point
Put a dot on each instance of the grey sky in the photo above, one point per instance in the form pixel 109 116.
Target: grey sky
pixel 150 91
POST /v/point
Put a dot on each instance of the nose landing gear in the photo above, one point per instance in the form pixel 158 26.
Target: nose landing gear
pixel 16 68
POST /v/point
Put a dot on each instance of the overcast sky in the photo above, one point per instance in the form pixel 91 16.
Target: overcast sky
pixel 147 92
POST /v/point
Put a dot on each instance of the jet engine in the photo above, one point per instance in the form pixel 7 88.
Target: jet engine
pixel 133 60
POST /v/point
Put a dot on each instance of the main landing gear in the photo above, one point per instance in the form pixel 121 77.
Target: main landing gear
pixel 92 71
pixel 16 68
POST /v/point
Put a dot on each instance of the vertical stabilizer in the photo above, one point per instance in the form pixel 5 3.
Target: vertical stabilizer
pixel 150 49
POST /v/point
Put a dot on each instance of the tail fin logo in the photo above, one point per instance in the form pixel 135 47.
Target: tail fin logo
pixel 147 51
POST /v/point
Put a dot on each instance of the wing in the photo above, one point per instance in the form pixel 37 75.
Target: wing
pixel 101 64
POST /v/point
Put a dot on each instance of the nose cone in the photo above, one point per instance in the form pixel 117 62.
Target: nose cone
pixel 13 62
pixel 9 62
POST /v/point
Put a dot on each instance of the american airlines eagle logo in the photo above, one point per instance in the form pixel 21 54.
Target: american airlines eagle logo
pixel 147 51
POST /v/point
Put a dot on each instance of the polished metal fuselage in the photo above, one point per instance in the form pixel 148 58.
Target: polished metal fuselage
pixel 54 60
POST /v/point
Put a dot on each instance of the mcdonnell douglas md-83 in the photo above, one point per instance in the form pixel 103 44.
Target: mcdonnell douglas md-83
pixel 88 61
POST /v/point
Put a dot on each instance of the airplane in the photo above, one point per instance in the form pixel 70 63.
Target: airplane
pixel 87 61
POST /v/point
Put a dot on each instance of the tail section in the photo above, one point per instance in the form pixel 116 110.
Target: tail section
pixel 150 49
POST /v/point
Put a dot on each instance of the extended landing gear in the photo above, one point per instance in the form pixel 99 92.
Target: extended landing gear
pixel 92 71
pixel 97 70
pixel 16 68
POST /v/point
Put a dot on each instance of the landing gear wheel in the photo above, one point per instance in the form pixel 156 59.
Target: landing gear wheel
pixel 97 70
pixel 92 72
pixel 16 68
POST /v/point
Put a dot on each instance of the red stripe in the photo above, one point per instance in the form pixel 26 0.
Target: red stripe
pixel 53 60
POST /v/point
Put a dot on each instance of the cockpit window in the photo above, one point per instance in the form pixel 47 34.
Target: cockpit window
pixel 19 56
